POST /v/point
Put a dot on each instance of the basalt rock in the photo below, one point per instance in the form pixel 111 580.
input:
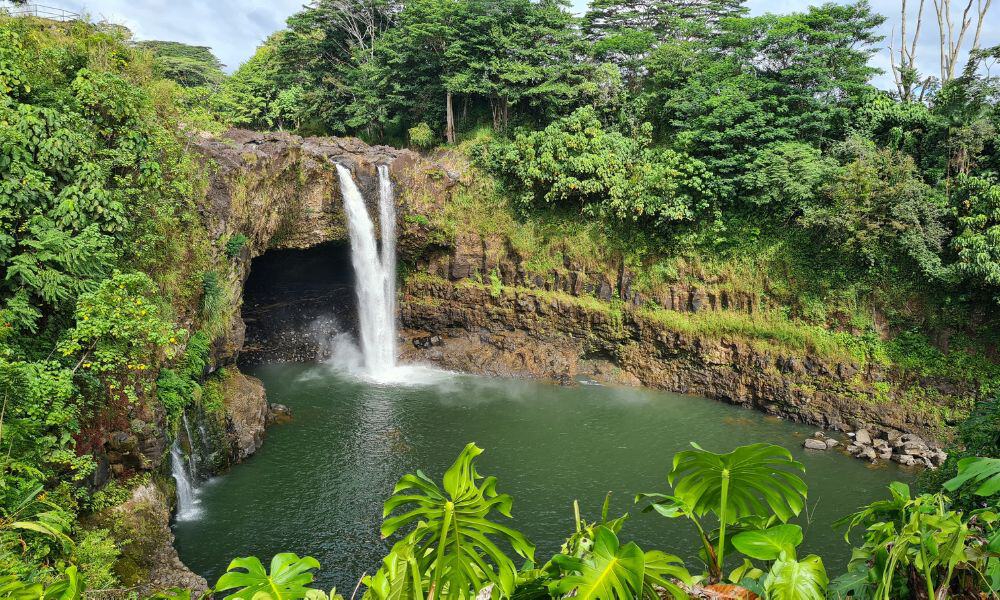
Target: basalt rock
pixel 520 332
pixel 247 414
pixel 148 561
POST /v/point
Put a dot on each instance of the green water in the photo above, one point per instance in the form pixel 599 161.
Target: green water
pixel 317 485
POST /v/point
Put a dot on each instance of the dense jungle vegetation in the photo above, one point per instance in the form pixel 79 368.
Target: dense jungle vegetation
pixel 687 140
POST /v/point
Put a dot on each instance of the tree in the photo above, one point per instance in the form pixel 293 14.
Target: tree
pixel 190 66
pixel 951 37
pixel 978 241
pixel 329 51
pixel 259 94
pixel 626 32
pixel 881 214
pixel 764 80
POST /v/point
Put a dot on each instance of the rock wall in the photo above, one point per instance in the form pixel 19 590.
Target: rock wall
pixel 529 333
pixel 281 191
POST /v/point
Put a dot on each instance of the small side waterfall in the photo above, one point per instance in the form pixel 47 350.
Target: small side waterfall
pixel 193 458
pixel 187 500
pixel 375 274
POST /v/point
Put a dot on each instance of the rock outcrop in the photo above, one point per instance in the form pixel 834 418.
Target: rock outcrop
pixel 148 561
pixel 247 414
pixel 523 332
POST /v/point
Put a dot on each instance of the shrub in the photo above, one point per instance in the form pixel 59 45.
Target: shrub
pixel 422 136
pixel 576 163
pixel 234 245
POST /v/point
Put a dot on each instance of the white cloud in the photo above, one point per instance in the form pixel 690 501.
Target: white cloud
pixel 232 28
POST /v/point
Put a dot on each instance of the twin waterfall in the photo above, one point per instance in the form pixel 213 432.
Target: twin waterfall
pixel 375 272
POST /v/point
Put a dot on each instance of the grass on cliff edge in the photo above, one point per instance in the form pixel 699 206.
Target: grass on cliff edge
pixel 910 353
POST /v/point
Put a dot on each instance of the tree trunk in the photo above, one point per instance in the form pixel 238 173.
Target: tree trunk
pixel 449 132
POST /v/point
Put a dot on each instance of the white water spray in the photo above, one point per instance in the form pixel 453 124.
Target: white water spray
pixel 375 274
pixel 187 500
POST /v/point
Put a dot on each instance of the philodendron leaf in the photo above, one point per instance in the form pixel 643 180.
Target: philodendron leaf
pixel 609 572
pixel 768 544
pixel 287 580
pixel 758 479
pixel 791 579
pixel 69 587
pixel 984 471
pixel 457 520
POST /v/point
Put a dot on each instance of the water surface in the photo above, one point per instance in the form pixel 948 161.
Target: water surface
pixel 317 485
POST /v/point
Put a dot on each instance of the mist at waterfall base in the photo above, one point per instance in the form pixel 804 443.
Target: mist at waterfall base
pixel 360 422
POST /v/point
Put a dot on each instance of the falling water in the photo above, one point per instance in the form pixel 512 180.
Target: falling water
pixel 387 221
pixel 187 501
pixel 193 462
pixel 375 275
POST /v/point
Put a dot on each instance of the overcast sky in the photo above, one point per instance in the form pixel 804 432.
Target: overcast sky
pixel 234 28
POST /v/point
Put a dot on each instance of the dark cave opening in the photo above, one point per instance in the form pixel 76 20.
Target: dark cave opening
pixel 295 301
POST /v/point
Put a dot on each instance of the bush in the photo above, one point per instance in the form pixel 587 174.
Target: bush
pixel 576 163
pixel 422 136
pixel 234 245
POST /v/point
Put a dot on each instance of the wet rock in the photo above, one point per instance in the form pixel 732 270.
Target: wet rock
pixel 862 436
pixel 427 341
pixel 246 413
pixel 148 562
pixel 831 443
pixel 278 413
pixel 814 444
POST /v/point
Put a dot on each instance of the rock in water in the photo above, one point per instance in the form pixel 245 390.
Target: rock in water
pixel 814 444
pixel 862 436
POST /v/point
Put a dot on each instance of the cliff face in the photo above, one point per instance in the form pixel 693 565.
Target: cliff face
pixel 526 333
pixel 470 302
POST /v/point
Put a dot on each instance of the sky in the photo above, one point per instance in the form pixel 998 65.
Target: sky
pixel 234 28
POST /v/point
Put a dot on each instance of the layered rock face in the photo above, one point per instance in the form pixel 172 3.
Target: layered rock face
pixel 523 333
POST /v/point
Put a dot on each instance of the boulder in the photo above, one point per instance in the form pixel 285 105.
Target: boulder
pixel 246 413
pixel 814 444
pixel 862 436
pixel 830 442
pixel 904 459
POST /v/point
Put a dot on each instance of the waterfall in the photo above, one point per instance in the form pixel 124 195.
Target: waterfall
pixel 375 275
pixel 193 459
pixel 187 501
pixel 387 222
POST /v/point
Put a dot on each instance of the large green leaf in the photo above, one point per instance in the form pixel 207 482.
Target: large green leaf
pixel 399 578
pixel 791 579
pixel 609 572
pixel 287 580
pixel 768 544
pixel 455 541
pixel 68 587
pixel 660 571
pixel 758 479
pixel 984 471
pixel 751 482
pixel 13 588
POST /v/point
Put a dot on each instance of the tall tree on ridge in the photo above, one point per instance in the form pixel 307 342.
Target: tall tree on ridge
pixel 625 32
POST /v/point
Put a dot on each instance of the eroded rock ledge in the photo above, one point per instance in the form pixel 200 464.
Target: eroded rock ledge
pixel 528 333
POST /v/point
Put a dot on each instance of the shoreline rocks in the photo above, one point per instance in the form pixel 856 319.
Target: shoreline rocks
pixel 907 449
